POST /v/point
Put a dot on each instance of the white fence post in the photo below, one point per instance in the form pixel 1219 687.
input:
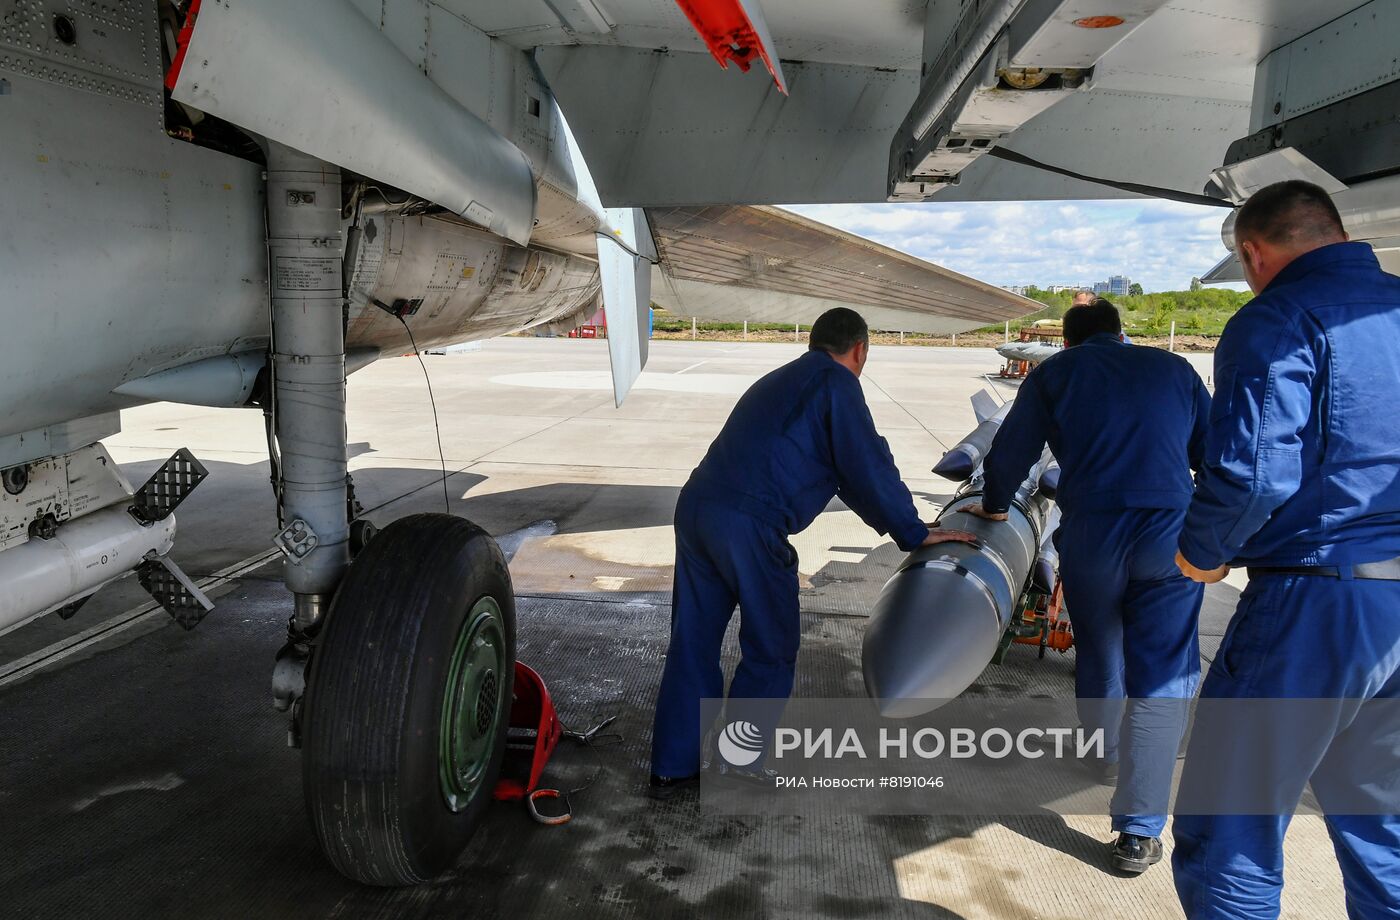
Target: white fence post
pixel 796 328
pixel 1008 330
pixel 1171 340
pixel 746 330
pixel 694 329
pixel 901 336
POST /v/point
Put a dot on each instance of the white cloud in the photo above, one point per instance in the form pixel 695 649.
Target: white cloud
pixel 1159 244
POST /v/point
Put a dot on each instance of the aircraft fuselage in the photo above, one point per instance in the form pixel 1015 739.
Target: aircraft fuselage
pixel 128 252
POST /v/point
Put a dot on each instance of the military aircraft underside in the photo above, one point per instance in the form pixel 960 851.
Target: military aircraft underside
pixel 236 203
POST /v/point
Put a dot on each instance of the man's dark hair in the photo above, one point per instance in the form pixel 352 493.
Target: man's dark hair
pixel 837 331
pixel 1287 213
pixel 1089 319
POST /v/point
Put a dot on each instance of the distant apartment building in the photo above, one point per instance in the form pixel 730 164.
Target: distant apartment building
pixel 1024 289
pixel 1116 286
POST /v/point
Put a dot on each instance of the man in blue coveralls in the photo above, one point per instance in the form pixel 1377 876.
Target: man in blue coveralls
pixel 1301 483
pixel 1127 425
pixel 799 436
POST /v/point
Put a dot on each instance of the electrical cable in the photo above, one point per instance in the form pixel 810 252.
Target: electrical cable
pixel 1154 191
pixel 994 391
pixel 437 428
pixel 628 249
pixel 274 451
pixel 274 459
pixel 905 408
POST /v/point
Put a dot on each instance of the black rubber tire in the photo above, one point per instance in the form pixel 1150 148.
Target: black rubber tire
pixel 372 714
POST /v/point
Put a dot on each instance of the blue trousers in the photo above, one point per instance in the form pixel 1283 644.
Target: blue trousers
pixel 1306 638
pixel 724 557
pixel 1135 636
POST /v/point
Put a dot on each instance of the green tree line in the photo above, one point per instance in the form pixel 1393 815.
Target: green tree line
pixel 1200 312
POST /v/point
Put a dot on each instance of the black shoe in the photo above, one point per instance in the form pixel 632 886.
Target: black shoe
pixel 1136 854
pixel 663 787
pixel 758 776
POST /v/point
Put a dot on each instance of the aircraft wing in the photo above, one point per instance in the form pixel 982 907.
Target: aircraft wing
pixel 765 264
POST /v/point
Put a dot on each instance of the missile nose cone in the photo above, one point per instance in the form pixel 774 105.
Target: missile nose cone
pixel 932 632
pixel 957 464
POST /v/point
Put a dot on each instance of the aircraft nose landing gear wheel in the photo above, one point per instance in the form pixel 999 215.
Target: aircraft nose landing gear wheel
pixel 472 703
pixel 408 700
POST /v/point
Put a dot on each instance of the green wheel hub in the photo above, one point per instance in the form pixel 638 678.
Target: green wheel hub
pixel 473 704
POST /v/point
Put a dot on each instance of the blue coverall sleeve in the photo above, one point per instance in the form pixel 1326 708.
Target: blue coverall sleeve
pixel 1200 423
pixel 1018 444
pixel 866 478
pixel 1264 371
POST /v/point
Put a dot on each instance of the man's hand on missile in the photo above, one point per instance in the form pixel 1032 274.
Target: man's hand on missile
pixel 984 513
pixel 944 535
pixel 1204 576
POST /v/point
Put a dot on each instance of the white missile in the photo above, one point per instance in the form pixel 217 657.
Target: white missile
pixel 82 556
pixel 937 622
pixel 963 458
pixel 1030 352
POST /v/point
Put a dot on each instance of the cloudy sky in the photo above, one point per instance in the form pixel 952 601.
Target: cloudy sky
pixel 1158 244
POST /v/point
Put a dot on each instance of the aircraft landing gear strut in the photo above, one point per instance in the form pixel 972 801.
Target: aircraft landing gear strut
pixel 306 253
pixel 403 706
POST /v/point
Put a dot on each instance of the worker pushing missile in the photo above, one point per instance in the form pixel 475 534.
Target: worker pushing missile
pixel 1127 426
pixel 799 436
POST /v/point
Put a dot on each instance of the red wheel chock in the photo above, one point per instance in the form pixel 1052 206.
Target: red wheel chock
pixel 534 726
pixel 532 716
pixel 535 730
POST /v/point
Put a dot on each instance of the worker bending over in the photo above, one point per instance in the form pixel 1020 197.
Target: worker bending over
pixel 1301 484
pixel 799 436
pixel 1126 424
